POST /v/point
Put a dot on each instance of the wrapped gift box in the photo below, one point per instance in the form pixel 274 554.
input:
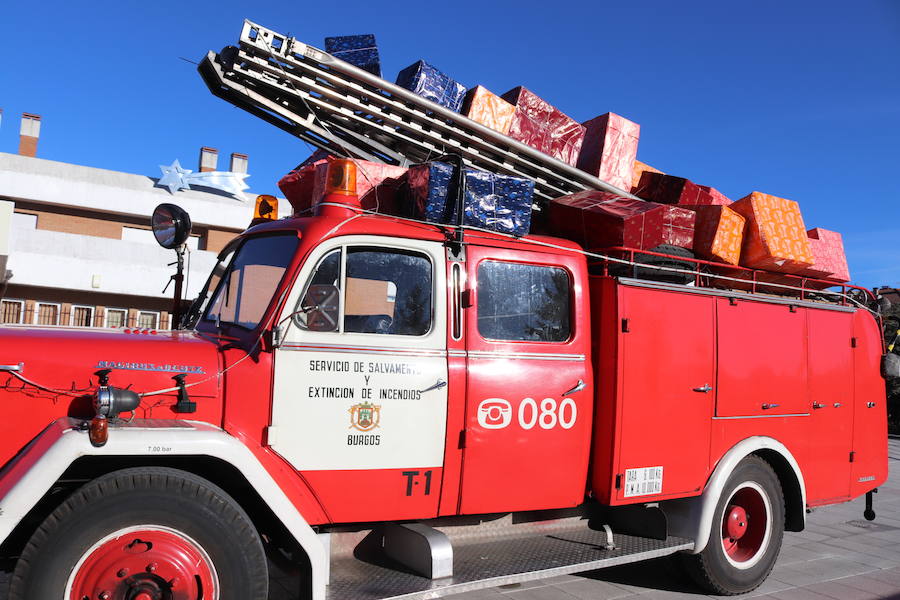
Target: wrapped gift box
pixel 829 259
pixel 430 83
pixel 489 109
pixel 718 234
pixel 497 202
pixel 358 50
pixel 668 189
pixel 304 187
pixel 638 170
pixel 609 149
pixel 598 219
pixel 538 124
pixel 775 237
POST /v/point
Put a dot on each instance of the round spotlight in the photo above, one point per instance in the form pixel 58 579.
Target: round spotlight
pixel 171 225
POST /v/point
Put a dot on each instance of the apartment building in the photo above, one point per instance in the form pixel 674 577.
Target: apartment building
pixel 78 243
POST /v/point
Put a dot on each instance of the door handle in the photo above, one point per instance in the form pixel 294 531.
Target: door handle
pixel 768 406
pixel 837 404
pixel 817 405
pixel 578 387
pixel 437 385
pixel 706 388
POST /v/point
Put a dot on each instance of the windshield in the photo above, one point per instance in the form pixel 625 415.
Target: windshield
pixel 248 284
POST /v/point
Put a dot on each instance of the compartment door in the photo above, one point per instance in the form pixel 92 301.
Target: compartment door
pixel 831 401
pixel 668 392
pixel 762 359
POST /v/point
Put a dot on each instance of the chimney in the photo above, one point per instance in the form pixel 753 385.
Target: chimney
pixel 29 134
pixel 209 158
pixel 239 162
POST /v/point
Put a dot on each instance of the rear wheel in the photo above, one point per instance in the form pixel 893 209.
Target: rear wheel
pixel 144 534
pixel 746 532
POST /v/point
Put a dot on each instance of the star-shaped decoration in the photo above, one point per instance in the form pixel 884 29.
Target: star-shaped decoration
pixel 174 177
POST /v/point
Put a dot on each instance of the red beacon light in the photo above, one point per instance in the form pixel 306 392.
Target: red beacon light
pixel 340 190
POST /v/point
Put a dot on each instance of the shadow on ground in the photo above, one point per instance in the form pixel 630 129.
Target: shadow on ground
pixel 659 574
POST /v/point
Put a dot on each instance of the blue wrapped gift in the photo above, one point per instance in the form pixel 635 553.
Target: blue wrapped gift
pixel 358 50
pixel 496 202
pixel 428 82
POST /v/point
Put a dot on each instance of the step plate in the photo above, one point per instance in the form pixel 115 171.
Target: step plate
pixel 483 564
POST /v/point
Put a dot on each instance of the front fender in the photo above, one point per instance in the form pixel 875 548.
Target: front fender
pixel 25 480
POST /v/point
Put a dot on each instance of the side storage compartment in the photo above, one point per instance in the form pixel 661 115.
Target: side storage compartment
pixel 655 407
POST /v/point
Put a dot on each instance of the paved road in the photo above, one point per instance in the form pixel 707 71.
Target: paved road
pixel 840 556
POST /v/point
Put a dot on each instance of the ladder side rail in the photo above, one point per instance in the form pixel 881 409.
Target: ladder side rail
pixel 300 86
pixel 393 126
pixel 277 114
pixel 292 49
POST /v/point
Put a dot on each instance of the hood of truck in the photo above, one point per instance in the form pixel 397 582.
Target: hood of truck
pixel 63 362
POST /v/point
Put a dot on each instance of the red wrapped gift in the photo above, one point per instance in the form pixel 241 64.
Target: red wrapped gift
pixel 609 149
pixel 668 189
pixel 829 259
pixel 599 219
pixel 305 187
pixel 543 127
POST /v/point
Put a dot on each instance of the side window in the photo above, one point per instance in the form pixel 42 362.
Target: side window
pixel 386 291
pixel 521 302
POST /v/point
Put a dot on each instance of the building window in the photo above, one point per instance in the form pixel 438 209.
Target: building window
pixel 13 311
pixel 147 319
pixel 115 317
pixel 82 316
pixel 46 314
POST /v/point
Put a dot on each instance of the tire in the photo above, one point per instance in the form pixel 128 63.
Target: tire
pixel 746 532
pixel 670 261
pixel 144 533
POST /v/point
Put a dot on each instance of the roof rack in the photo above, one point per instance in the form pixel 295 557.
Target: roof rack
pixel 350 112
pixel 647 264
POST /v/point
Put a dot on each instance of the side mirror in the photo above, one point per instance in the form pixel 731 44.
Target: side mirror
pixel 321 304
pixel 890 365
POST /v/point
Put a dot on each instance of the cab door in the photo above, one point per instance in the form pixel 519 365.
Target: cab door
pixel 529 392
pixel 360 396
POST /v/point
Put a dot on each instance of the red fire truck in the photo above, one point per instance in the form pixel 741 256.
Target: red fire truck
pixel 398 409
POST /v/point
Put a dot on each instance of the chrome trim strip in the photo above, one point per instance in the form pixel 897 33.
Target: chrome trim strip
pixel 366 350
pixel 526 355
pixel 733 294
pixel 435 353
pixel 761 416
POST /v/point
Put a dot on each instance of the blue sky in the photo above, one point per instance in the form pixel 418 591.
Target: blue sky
pixel 798 99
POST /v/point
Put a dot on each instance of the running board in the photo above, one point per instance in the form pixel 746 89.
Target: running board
pixel 480 564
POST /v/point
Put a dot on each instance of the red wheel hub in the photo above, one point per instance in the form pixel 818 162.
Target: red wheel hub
pixel 736 522
pixel 145 564
pixel 744 525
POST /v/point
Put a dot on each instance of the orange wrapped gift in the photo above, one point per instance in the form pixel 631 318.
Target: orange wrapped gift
pixel 775 237
pixel 489 109
pixel 718 234
pixel 638 170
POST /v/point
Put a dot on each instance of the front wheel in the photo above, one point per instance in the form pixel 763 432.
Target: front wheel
pixel 144 534
pixel 746 532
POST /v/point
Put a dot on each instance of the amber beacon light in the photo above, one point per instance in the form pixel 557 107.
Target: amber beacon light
pixel 340 190
pixel 266 207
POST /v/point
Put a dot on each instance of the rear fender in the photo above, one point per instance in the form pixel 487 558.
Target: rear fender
pixel 25 480
pixel 692 517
